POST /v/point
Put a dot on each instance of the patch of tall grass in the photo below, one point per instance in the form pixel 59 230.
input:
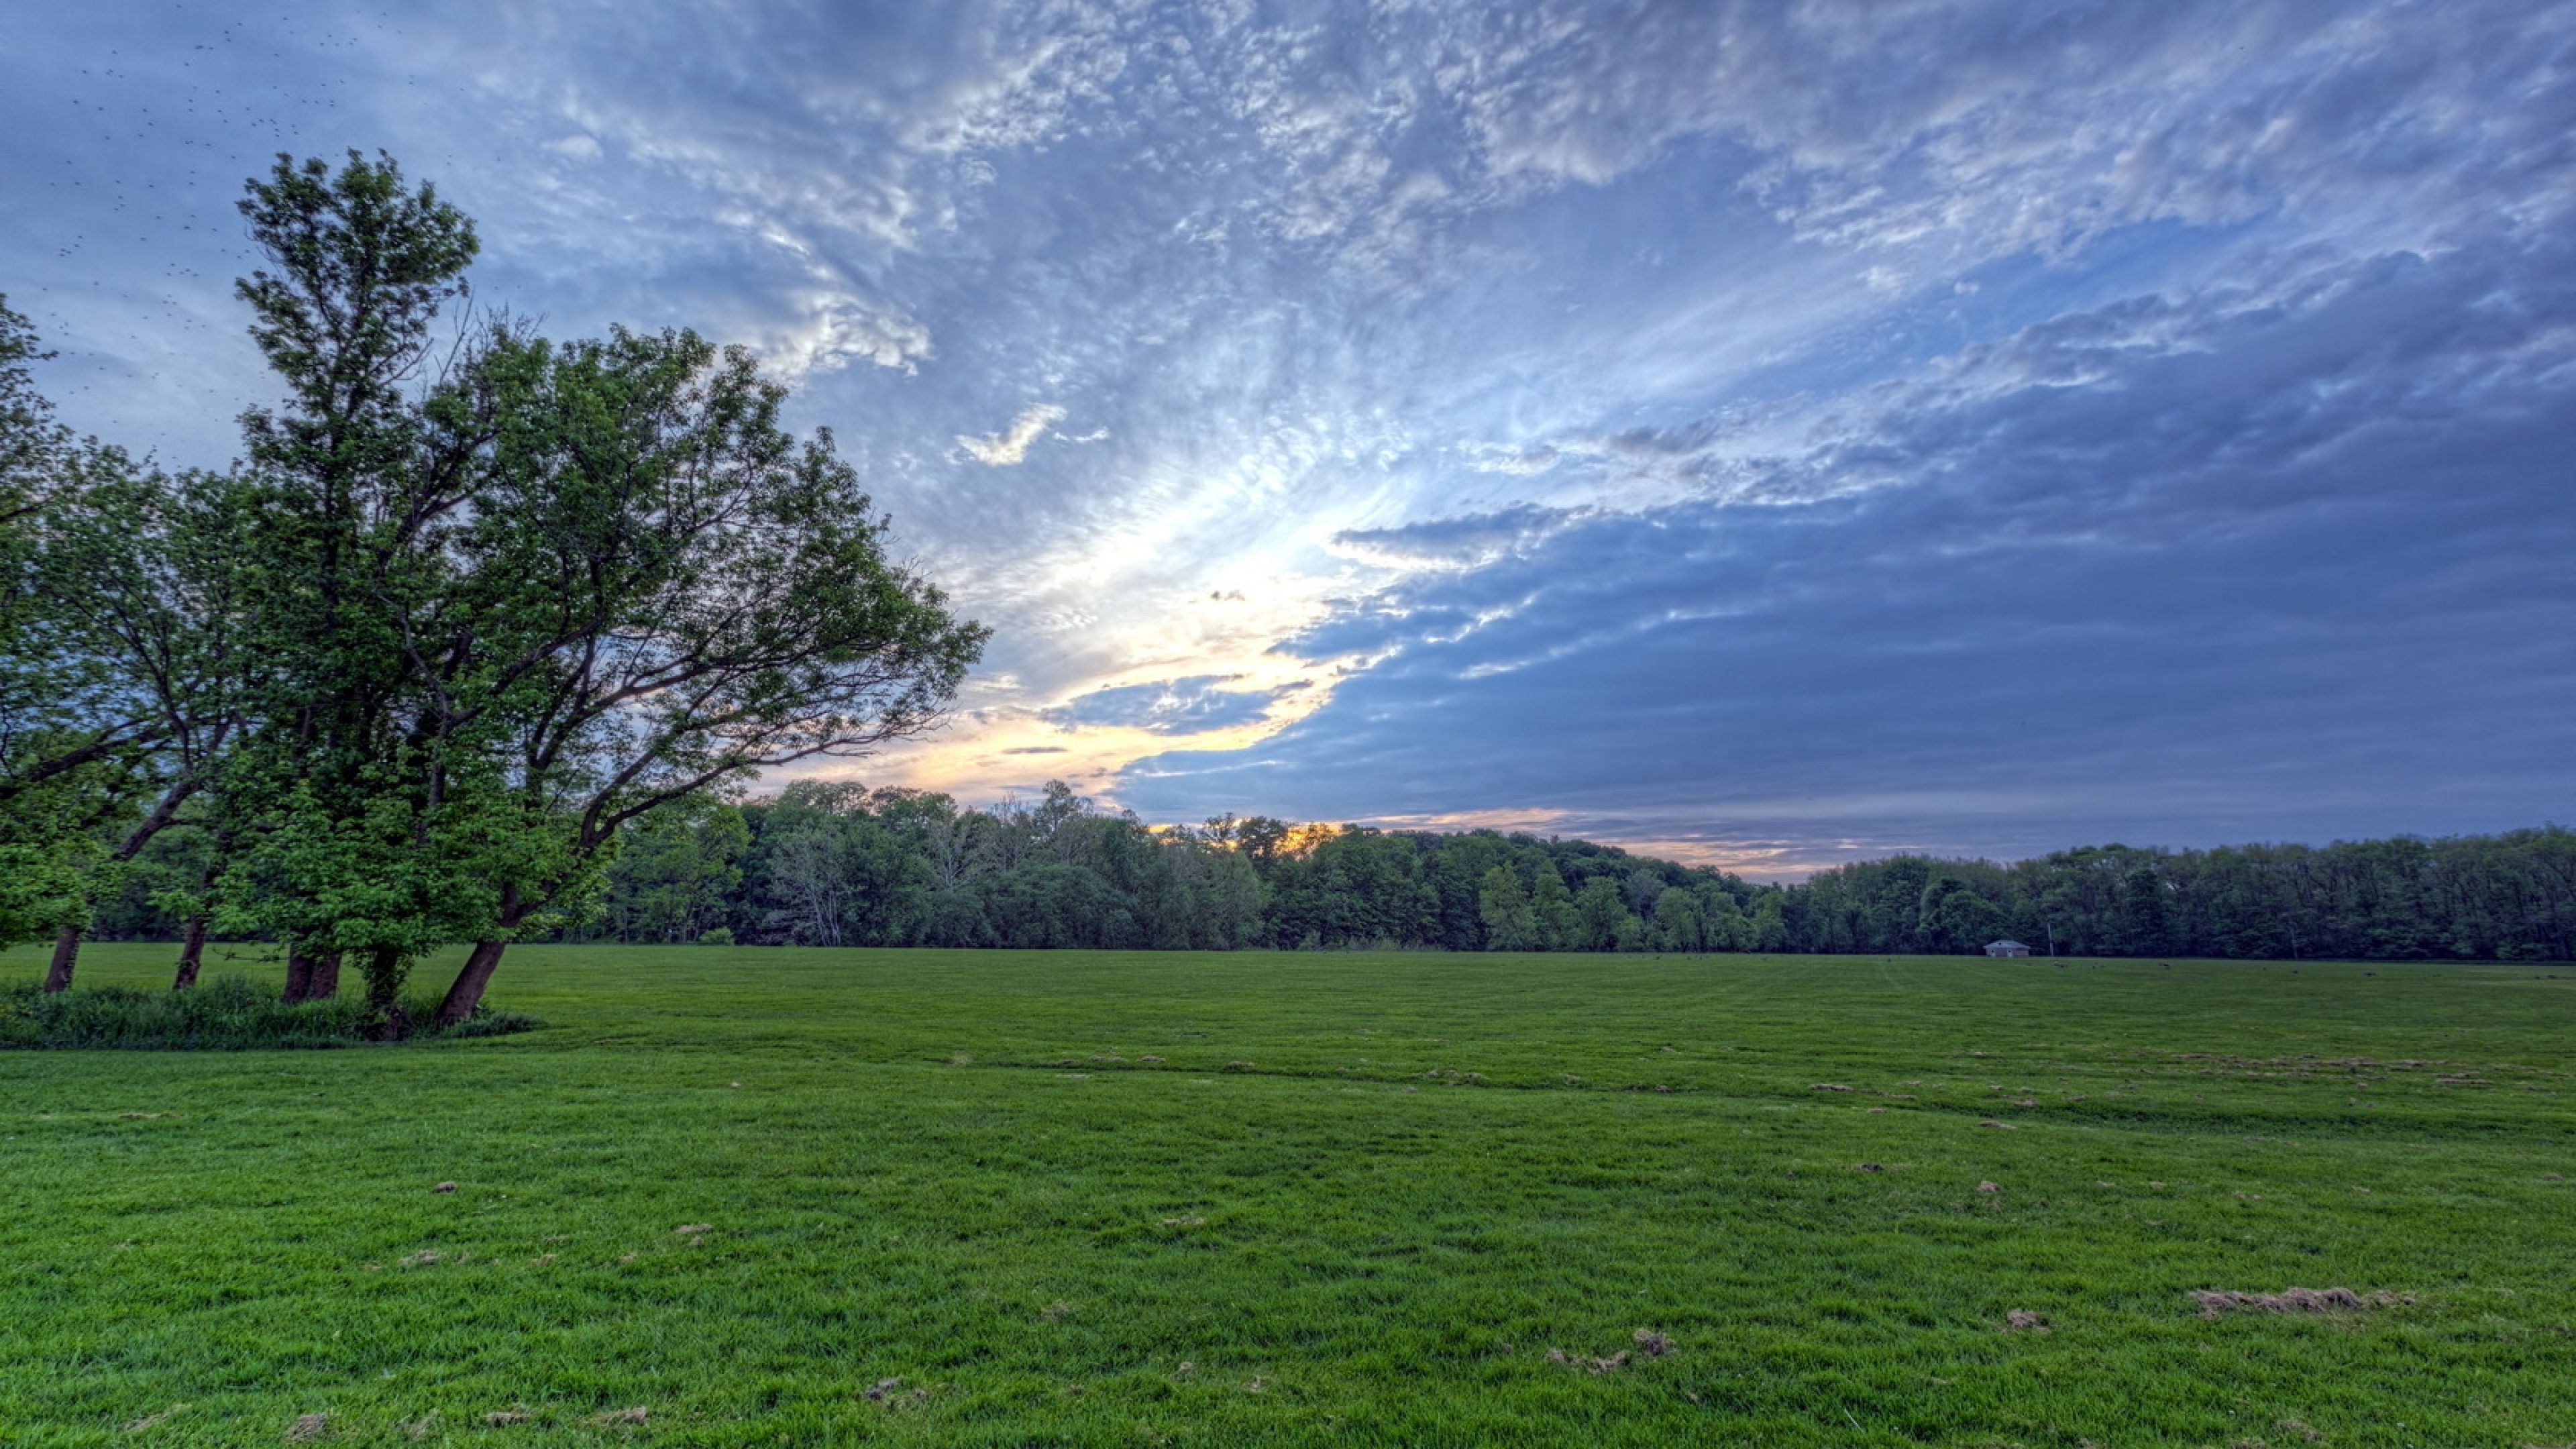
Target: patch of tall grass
pixel 229 1013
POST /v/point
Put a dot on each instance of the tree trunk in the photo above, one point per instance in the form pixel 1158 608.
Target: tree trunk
pixel 58 975
pixel 67 942
pixel 384 997
pixel 476 974
pixel 192 951
pixel 311 978
pixel 467 992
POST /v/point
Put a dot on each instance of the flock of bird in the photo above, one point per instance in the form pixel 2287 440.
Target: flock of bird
pixel 144 135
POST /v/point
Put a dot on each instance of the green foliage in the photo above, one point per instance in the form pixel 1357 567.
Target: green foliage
pixel 1953 917
pixel 2501 897
pixel 461 618
pixel 1510 924
pixel 674 871
pixel 75 735
pixel 369 792
pixel 49 867
pixel 1602 920
pixel 1354 886
pixel 30 439
pixel 1677 922
pixel 959 1171
pixel 1551 906
pixel 841 865
pixel 709 595
pixel 228 1013
pixel 838 864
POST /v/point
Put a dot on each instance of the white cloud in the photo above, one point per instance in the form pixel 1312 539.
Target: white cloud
pixel 1513 462
pixel 1009 447
pixel 833 329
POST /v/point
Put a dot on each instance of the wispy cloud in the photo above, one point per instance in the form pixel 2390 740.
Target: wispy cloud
pixel 1010 447
pixel 1175 706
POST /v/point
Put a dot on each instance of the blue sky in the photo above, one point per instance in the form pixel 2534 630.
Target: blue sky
pixel 1768 433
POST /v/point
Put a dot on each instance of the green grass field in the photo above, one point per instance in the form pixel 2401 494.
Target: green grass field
pixel 826 1197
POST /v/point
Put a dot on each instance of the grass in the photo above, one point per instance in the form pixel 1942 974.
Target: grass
pixel 885 1197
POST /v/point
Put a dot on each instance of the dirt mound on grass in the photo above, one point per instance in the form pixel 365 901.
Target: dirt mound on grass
pixel 2216 1302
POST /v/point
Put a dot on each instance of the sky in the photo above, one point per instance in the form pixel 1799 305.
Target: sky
pixel 1766 434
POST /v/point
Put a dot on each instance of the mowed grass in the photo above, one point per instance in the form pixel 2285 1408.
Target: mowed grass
pixel 1069 1198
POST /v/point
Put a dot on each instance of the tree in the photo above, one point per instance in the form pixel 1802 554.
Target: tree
pixel 1601 916
pixel 2146 921
pixel 145 574
pixel 1645 884
pixel 1723 926
pixel 1677 921
pixel 366 814
pixel 1263 839
pixel 1458 865
pixel 514 598
pixel 1955 918
pixel 1229 898
pixel 31 440
pixel 1504 909
pixel 1551 908
pixel 696 596
pixel 674 870
pixel 1357 887
pixel 75 735
pixel 1770 927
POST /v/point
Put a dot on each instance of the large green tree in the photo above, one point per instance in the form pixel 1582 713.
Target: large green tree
pixel 358 807
pixel 513 595
pixel 673 593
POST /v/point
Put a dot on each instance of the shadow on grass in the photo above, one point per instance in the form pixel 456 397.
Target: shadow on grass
pixel 230 1013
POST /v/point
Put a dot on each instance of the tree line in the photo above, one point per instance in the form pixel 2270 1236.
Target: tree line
pixel 470 608
pixel 836 864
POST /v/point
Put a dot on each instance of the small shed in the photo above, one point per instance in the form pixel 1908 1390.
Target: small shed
pixel 2006 948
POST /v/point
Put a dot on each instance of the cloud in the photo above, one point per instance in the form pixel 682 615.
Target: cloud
pixel 1194 705
pixel 2277 560
pixel 833 329
pixel 1010 446
pixel 1736 399
pixel 1968 127
pixel 1517 462
pixel 1453 543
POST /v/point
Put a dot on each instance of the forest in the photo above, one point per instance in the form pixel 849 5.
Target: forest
pixel 824 864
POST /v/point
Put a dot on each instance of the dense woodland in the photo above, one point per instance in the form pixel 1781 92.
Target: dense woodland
pixel 840 865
